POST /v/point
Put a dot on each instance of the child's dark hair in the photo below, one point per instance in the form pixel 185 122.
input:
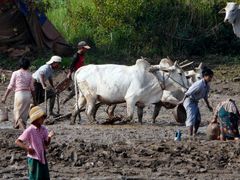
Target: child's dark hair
pixel 24 63
pixel 207 72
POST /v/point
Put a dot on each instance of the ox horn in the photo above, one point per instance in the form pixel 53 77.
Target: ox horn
pixel 222 11
pixel 200 66
pixel 185 65
pixel 169 58
pixel 183 62
pixel 175 63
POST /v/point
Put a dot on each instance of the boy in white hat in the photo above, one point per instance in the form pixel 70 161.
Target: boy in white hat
pixel 34 141
pixel 44 73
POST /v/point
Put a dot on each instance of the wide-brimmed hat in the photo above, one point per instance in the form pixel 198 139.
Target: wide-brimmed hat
pixel 53 59
pixel 35 113
pixel 83 44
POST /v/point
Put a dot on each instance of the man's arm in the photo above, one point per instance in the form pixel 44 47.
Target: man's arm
pixel 51 81
pixel 215 116
pixel 42 81
pixel 6 95
pixel 72 66
pixel 10 87
pixel 208 105
pixel 50 135
pixel 181 102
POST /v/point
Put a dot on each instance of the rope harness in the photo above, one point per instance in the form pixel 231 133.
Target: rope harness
pixel 163 84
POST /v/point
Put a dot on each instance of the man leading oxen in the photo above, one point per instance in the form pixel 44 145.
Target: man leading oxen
pixel 138 85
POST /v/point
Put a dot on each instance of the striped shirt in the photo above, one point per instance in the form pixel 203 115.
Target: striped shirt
pixel 198 90
pixel 35 139
pixel 21 80
pixel 45 70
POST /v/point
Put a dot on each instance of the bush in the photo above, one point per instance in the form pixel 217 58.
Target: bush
pixel 127 28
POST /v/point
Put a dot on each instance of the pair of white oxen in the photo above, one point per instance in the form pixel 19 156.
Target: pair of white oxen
pixel 138 85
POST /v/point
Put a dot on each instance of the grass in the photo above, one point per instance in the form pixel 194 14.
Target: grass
pixel 117 26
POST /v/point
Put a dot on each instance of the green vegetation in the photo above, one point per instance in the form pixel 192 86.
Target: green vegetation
pixel 120 31
pixel 123 29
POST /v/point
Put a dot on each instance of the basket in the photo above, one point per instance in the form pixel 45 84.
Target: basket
pixel 213 131
pixel 3 114
pixel 180 114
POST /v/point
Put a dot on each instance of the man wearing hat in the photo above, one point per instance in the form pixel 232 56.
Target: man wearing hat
pixel 78 61
pixel 44 73
pixel 78 58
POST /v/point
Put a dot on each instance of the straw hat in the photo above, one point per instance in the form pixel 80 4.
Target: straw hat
pixel 35 113
pixel 53 59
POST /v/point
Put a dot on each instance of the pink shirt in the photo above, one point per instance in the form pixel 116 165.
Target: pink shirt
pixel 21 80
pixel 35 138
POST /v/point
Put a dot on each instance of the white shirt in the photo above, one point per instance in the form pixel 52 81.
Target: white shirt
pixel 198 90
pixel 45 70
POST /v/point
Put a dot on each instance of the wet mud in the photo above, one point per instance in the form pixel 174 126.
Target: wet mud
pixel 129 151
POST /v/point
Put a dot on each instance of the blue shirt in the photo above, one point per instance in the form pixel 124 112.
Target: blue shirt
pixel 198 90
pixel 45 70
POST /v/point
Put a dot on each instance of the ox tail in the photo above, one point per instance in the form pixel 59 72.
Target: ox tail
pixel 76 91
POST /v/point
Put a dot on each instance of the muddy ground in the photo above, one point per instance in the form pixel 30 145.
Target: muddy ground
pixel 131 151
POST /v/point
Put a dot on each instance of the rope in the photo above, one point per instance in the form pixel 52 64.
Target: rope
pixel 163 86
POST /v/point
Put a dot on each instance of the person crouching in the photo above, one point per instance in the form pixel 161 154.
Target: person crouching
pixel 228 115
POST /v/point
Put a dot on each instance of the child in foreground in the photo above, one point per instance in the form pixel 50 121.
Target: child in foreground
pixel 34 141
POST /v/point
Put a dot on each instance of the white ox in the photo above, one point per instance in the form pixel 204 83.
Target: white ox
pixel 171 98
pixel 232 16
pixel 135 85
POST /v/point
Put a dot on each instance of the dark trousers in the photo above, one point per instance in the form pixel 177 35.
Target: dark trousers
pixel 40 95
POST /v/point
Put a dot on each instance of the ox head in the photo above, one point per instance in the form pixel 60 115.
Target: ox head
pixel 177 77
pixel 231 12
pixel 165 62
pixel 194 75
pixel 143 64
pixel 172 77
pixel 198 72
